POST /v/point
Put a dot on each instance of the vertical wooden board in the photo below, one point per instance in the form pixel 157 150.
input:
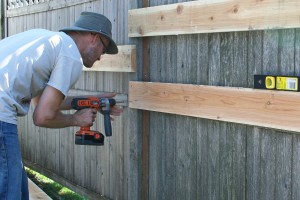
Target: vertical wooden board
pixel 31 137
pixel 213 152
pixel 126 158
pixel 156 157
pixel 286 56
pixel 226 58
pixel 295 167
pixel 70 145
pixel 202 159
pixel 214 59
pixel 155 58
pixel 268 165
pixel 87 166
pixel 57 151
pixel 186 71
pixel 239 72
pixel 23 136
pixel 202 59
pixel 192 52
pixel 64 168
pixel 169 153
pixel 270 52
pixel 106 161
pixel 238 138
pixel 283 154
pixel 79 161
pixel 286 52
pixel 253 183
pixel 183 65
pixel 134 157
pixel 121 33
pixel 121 173
pixel 186 158
pixel 99 180
pixel 52 151
pixel 255 48
pixel 156 133
pixel 226 162
pixel 43 152
pixel 297 52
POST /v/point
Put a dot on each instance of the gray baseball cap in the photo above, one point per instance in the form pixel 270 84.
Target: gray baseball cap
pixel 96 23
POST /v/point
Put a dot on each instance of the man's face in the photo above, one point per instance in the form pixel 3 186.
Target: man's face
pixel 94 51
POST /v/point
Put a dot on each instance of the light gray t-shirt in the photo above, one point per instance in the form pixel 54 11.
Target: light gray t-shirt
pixel 31 60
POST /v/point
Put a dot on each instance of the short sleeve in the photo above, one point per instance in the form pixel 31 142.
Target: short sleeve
pixel 65 73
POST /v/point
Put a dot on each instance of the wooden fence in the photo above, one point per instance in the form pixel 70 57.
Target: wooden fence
pixel 163 153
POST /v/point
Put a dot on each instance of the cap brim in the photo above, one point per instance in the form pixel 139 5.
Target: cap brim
pixel 111 49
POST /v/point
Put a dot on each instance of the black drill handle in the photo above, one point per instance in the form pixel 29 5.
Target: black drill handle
pixel 107 124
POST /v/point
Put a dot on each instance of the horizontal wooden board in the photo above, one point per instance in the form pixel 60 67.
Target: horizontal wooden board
pixel 124 61
pixel 35 192
pixel 265 108
pixel 213 16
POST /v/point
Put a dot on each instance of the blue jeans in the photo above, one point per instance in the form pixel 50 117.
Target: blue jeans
pixel 13 178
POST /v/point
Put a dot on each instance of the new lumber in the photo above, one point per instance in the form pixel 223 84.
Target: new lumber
pixel 208 16
pixel 265 108
pixel 124 61
pixel 35 192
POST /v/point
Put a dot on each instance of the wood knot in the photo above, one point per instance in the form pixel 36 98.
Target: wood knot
pixel 141 30
pixel 179 9
pixel 235 9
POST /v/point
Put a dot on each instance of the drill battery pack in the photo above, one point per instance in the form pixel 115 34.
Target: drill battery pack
pixel 270 82
pixel 95 139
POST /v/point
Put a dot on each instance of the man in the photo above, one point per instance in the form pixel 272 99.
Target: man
pixel 43 65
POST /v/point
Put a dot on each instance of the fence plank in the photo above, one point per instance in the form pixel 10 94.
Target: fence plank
pixel 124 61
pixel 213 16
pixel 275 109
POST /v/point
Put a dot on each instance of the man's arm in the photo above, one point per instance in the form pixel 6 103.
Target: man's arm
pixel 47 112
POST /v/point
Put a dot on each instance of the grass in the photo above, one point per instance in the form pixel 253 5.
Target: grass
pixel 51 188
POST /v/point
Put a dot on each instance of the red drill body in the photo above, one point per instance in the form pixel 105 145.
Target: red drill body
pixel 85 136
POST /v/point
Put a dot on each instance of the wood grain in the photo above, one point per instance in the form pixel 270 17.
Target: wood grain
pixel 213 16
pixel 124 61
pixel 273 109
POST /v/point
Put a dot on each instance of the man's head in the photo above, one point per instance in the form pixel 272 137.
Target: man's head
pixel 95 36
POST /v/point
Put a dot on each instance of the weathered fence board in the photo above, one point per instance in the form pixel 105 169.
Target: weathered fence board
pixel 233 161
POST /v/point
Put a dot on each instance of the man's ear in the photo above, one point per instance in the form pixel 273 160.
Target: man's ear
pixel 95 38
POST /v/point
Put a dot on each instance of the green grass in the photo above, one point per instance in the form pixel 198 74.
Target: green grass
pixel 51 188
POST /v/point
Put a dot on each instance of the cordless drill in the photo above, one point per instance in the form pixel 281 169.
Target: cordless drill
pixel 85 136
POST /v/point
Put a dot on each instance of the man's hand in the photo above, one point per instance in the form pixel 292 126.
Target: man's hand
pixel 85 117
pixel 114 110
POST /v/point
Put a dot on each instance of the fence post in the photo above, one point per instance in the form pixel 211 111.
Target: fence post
pixel 3 25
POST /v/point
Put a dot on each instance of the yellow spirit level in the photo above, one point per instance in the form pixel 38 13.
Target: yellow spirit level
pixel 287 83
